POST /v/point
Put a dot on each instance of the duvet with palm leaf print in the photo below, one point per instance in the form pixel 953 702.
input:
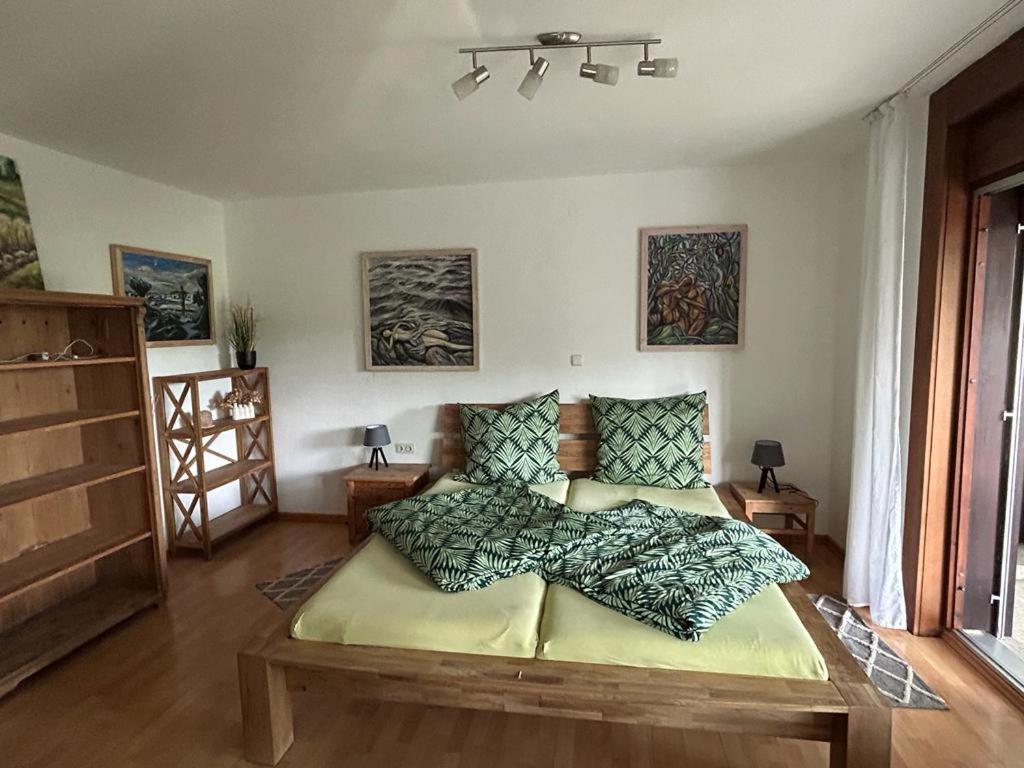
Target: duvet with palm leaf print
pixel 673 570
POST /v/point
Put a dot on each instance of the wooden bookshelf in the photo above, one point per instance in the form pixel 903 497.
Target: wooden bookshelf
pixel 79 548
pixel 188 452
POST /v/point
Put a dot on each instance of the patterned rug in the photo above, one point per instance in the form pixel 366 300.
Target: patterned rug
pixel 893 677
pixel 285 591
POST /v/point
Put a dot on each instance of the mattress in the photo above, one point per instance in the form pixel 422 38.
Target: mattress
pixel 380 598
pixel 763 636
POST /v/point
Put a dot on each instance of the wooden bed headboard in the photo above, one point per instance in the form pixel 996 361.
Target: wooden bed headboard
pixel 577 446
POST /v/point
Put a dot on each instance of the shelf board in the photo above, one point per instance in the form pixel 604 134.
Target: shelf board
pixel 79 476
pixel 59 557
pixel 218 426
pixel 60 629
pixel 38 365
pixel 228 523
pixel 215 478
pixel 48 422
pixel 223 373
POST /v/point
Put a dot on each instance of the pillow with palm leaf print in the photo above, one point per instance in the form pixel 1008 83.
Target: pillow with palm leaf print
pixel 657 442
pixel 516 445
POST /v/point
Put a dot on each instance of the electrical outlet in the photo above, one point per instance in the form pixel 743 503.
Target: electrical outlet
pixel 576 360
pixel 405 448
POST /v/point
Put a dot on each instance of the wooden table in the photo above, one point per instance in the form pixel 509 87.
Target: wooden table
pixel 368 488
pixel 794 506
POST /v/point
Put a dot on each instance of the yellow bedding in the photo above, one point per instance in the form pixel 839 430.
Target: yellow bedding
pixel 380 598
pixel 761 637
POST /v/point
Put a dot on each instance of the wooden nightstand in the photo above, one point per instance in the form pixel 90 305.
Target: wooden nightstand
pixel 368 488
pixel 795 507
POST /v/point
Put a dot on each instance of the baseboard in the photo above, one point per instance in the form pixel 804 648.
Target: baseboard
pixel 312 517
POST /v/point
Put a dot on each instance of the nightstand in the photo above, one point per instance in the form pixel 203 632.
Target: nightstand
pixel 369 488
pixel 795 507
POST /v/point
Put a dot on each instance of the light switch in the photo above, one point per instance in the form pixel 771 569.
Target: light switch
pixel 576 360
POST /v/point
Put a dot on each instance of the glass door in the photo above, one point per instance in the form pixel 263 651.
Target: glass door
pixel 986 601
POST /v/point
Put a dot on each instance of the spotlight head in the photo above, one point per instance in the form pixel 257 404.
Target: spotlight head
pixel 600 73
pixel 658 68
pixel 468 83
pixel 534 78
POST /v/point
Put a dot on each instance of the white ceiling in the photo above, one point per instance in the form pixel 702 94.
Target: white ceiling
pixel 244 98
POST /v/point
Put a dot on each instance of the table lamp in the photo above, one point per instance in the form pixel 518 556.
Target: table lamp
pixel 767 455
pixel 376 436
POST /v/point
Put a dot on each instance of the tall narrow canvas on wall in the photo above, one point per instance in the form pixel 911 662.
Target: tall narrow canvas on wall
pixel 19 259
pixel 692 287
pixel 420 310
pixel 178 291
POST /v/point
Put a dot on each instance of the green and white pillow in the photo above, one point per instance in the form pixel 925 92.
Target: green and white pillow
pixel 516 445
pixel 656 442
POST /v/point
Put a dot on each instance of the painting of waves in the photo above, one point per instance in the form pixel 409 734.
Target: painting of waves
pixel 420 310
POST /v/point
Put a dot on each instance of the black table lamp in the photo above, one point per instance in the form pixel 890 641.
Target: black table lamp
pixel 376 436
pixel 768 455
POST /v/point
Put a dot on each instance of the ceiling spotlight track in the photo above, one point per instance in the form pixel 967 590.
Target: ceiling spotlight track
pixel 605 74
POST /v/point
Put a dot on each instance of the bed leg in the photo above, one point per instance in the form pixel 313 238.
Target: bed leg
pixel 266 709
pixel 862 738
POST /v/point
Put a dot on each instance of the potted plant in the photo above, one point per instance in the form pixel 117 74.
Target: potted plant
pixel 242 334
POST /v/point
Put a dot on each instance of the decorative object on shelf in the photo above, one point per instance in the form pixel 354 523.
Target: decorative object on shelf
pixel 242 335
pixel 178 291
pixel 242 403
pixel 376 436
pixel 205 419
pixel 79 548
pixel 420 310
pixel 605 74
pixel 692 287
pixel 767 455
pixel 19 258
pixel 185 447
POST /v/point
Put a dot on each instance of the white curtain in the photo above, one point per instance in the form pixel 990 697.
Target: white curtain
pixel 874 543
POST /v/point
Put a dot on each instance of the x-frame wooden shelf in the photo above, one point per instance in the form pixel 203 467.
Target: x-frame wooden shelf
pixel 185 446
pixel 79 530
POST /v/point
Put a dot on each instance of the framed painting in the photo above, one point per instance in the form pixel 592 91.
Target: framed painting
pixel 692 287
pixel 178 291
pixel 19 259
pixel 420 310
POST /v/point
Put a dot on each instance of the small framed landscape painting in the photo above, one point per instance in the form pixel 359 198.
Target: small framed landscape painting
pixel 420 310
pixel 692 287
pixel 178 291
pixel 19 260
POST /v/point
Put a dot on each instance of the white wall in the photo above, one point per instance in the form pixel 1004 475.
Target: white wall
pixel 79 208
pixel 558 272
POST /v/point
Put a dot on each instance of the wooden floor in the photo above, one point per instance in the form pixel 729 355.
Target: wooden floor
pixel 162 691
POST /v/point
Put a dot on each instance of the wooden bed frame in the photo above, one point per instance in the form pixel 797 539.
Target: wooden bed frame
pixel 846 711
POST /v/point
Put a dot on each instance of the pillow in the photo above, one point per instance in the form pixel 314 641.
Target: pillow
pixel 516 445
pixel 656 442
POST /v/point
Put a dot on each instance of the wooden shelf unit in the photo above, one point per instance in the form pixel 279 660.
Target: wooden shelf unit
pixel 185 446
pixel 79 526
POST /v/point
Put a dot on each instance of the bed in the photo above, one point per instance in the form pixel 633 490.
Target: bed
pixel 772 667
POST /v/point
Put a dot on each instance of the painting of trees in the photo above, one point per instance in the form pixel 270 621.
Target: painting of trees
pixel 19 259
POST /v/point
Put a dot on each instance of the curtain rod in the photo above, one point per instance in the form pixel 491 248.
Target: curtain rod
pixel 949 53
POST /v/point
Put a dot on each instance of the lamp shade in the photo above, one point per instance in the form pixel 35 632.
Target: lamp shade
pixel 768 453
pixel 376 436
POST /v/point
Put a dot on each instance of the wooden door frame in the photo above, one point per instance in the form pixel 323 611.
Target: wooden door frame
pixel 970 143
